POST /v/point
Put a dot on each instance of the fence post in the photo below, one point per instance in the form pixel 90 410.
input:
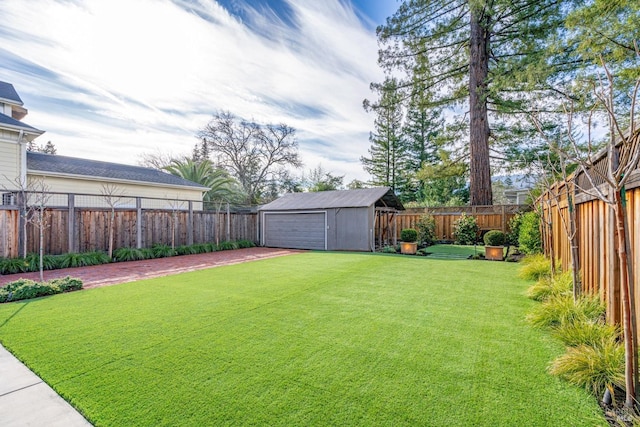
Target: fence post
pixel 22 235
pixel 228 222
pixel 504 219
pixel 71 223
pixel 138 223
pixel 190 224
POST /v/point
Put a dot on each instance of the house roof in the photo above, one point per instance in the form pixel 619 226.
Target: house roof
pixel 365 197
pixel 72 166
pixel 9 94
pixel 17 124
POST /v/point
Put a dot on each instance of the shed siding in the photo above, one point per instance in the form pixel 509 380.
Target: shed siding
pixel 350 229
pixel 295 230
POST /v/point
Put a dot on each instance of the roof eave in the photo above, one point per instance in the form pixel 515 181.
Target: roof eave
pixel 117 180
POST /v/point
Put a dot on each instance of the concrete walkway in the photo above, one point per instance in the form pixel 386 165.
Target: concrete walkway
pixel 26 400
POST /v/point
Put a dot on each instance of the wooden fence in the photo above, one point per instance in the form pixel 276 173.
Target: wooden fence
pixel 488 218
pixel 595 234
pixel 87 229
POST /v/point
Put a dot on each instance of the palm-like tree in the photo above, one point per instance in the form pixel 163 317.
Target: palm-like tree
pixel 223 188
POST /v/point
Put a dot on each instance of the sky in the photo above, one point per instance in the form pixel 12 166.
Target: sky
pixel 113 79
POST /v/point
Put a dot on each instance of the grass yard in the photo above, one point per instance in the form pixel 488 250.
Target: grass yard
pixel 309 339
pixel 467 250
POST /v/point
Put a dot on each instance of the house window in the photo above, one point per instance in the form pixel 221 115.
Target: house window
pixel 8 199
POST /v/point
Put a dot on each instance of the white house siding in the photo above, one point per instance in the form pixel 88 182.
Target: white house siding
pixel 173 197
pixel 9 164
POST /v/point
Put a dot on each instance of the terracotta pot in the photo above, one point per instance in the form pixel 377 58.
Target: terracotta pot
pixel 408 248
pixel 494 253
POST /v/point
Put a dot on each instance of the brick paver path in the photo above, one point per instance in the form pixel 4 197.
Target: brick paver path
pixel 122 272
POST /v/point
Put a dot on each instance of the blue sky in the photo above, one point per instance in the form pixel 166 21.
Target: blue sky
pixel 113 79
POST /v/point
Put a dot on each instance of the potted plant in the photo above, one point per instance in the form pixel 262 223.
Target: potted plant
pixel 494 245
pixel 408 244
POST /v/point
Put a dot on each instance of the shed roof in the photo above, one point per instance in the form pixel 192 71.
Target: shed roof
pixel 63 165
pixel 365 197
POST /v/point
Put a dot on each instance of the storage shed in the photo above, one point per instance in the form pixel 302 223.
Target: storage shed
pixel 329 220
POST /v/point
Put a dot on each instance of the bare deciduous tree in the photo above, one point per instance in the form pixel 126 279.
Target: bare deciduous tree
pixel 251 152
pixel 112 195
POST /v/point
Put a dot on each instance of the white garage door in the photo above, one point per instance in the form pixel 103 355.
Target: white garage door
pixel 295 230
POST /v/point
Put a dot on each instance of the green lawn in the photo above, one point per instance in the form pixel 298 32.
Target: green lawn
pixel 456 249
pixel 310 339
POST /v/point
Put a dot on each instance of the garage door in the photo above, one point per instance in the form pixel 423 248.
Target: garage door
pixel 295 230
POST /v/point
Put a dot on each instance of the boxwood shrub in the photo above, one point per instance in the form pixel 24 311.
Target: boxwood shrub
pixel 22 289
pixel 494 238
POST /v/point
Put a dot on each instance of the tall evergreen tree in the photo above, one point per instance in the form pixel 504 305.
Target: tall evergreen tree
pixel 422 126
pixel 487 54
pixel 387 150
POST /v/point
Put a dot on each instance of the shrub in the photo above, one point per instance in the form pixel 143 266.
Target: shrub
pixel 595 368
pixel 409 235
pixel 26 289
pixel 388 250
pixel 494 238
pixel 547 287
pixel 162 251
pixel 13 265
pixel 130 254
pixel 534 267
pixel 514 230
pixel 426 227
pixel 186 250
pixel 200 248
pixel 226 246
pixel 83 259
pixel 465 230
pixel 146 253
pixel 97 258
pixel 49 262
pixel 586 333
pixel 67 284
pixel 561 310
pixel 529 237
pixel 245 244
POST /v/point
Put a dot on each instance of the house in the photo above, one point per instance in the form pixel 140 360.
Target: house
pixel 327 220
pixel 88 179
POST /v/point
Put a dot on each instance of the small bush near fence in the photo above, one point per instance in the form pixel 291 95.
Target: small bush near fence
pixel 529 237
pixel 53 262
pixel 26 289
pixel 465 230
pixel 426 227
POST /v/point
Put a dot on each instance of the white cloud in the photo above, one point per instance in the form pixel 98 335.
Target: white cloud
pixel 113 79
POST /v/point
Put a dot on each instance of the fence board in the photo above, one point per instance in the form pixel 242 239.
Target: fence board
pixel 9 223
pixel 488 218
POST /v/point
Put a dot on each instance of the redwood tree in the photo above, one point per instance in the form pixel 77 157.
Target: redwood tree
pixel 487 55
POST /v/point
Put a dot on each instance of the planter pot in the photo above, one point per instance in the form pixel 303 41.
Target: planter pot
pixel 408 248
pixel 494 253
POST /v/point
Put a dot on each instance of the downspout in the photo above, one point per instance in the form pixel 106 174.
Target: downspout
pixel 22 172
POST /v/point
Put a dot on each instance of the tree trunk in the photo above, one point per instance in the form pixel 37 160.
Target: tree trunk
pixel 575 255
pixel 41 248
pixel 628 318
pixel 479 165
